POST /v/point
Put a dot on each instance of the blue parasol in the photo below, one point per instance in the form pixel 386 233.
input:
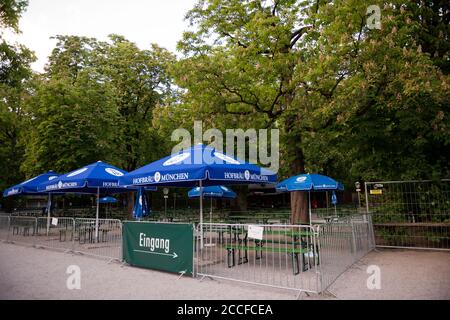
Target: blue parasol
pixel 309 182
pixel 141 207
pixel 200 166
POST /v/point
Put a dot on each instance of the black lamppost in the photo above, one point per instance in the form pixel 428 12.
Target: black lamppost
pixel 166 196
pixel 358 190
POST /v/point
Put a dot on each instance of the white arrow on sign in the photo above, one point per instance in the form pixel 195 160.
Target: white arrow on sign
pixel 174 254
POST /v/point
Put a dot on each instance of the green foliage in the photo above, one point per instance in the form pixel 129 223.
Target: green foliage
pixel 72 124
pixel 10 12
pixel 349 101
pixel 95 102
pixel 14 75
pixel 139 83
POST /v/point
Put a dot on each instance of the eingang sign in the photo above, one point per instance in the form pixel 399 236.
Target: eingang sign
pixel 160 246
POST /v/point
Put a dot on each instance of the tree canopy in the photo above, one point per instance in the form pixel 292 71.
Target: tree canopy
pixel 351 101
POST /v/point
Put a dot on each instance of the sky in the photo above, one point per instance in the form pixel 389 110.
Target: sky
pixel 141 21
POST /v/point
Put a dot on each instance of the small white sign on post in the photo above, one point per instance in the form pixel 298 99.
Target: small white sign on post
pixel 54 221
pixel 255 232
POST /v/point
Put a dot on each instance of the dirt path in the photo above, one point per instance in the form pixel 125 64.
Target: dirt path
pixel 29 273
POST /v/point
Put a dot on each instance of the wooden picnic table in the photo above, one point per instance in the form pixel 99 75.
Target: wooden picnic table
pixel 297 247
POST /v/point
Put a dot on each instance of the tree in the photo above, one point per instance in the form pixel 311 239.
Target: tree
pixel 71 125
pixel 390 108
pixel 15 72
pixel 10 12
pixel 70 117
pixel 308 68
pixel 96 100
pixel 139 82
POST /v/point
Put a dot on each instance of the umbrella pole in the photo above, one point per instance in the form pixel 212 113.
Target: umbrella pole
pixel 309 204
pixel 201 214
pixel 210 221
pixel 49 208
pixel 96 215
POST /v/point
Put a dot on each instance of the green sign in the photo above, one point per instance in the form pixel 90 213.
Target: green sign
pixel 160 246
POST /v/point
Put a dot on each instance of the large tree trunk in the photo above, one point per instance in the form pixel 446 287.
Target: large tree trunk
pixel 241 199
pixel 130 205
pixel 299 207
pixel 299 199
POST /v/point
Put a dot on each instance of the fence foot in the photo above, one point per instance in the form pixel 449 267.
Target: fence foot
pixel 181 274
pixel 328 293
pixel 300 294
pixel 115 259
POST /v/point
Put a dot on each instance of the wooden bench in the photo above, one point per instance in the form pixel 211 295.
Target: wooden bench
pixel 292 251
pixel 294 247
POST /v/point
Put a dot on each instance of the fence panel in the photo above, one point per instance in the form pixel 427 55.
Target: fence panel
pixel 410 214
pixel 4 227
pixel 342 242
pixel 22 230
pixel 284 256
pixel 108 244
pixel 60 233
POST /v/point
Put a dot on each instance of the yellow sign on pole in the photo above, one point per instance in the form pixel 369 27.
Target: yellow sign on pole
pixel 376 191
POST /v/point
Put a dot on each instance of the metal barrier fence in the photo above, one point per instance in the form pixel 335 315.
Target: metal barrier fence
pixel 55 233
pixel 410 214
pixel 67 234
pixel 300 257
pixel 22 230
pixel 109 240
pixel 286 256
pixel 342 243
pixel 4 227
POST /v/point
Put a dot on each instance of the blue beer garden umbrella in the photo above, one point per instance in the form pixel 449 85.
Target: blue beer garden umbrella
pixel 30 187
pixel 212 192
pixel 107 200
pixel 141 207
pixel 309 182
pixel 200 166
pixel 91 179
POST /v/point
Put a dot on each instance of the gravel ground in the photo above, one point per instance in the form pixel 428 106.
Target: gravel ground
pixel 29 273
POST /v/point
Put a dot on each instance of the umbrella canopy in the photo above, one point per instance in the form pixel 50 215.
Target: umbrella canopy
pixel 212 192
pixel 88 179
pixel 309 182
pixel 141 207
pixel 91 179
pixel 107 200
pixel 198 163
pixel 30 186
